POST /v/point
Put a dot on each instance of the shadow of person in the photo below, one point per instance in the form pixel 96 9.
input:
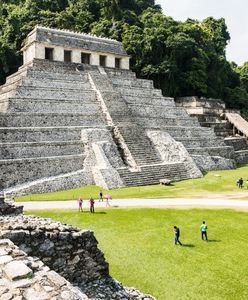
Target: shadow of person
pixel 188 245
pixel 214 241
pixel 96 212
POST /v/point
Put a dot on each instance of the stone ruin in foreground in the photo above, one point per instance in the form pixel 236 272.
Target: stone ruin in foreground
pixel 75 115
pixel 41 259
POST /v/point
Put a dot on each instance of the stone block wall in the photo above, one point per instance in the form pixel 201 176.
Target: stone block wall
pixel 44 259
pixel 49 120
pixel 25 277
pixel 146 100
pixel 65 249
pixel 129 83
pixel 155 122
pixel 157 112
pixel 30 150
pixel 38 134
pixel 64 181
pixel 20 171
pixel 49 105
pixel 52 93
pixel 7 208
pixel 43 71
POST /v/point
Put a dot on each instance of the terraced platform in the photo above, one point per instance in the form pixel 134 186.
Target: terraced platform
pixel 160 113
pixel 64 125
pixel 227 124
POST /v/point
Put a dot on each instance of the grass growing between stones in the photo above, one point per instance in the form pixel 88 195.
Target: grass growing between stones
pixel 138 244
pixel 221 182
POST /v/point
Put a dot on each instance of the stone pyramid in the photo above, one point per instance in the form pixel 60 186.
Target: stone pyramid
pixel 65 125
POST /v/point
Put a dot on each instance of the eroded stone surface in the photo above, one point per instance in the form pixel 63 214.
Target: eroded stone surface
pixel 17 270
pixel 54 249
pixel 26 278
pixel 8 209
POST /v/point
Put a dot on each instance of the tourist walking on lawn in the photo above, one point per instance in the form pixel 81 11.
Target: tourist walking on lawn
pixel 80 204
pixel 100 196
pixel 92 203
pixel 107 198
pixel 204 228
pixel 177 235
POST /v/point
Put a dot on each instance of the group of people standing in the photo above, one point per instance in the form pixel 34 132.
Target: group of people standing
pixel 92 202
pixel 240 183
pixel 203 229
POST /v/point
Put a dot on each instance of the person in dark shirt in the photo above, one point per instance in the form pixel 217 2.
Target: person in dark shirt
pixel 177 235
pixel 100 196
pixel 240 183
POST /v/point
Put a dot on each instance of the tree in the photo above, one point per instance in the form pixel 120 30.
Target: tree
pixel 243 73
pixel 183 58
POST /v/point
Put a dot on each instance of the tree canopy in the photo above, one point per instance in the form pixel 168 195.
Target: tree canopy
pixel 183 58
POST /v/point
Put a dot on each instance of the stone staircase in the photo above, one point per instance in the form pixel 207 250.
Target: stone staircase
pixel 221 127
pixel 153 173
pixel 133 136
pixel 139 145
pixel 146 165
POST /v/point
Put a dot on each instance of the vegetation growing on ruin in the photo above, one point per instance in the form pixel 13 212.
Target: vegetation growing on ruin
pixel 183 58
pixel 138 244
pixel 214 182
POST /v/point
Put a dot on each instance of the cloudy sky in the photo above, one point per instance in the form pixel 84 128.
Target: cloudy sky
pixel 234 11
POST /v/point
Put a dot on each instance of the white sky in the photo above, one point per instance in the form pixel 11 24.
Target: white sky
pixel 235 13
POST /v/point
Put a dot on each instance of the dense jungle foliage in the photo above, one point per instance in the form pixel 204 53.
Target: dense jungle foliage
pixel 183 58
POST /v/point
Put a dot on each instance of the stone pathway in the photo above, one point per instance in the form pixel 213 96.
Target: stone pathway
pixel 138 202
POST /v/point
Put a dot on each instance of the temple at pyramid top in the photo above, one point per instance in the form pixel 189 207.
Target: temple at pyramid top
pixel 69 46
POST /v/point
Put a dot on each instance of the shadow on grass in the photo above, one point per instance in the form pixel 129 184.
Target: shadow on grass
pixel 188 245
pixel 95 213
pixel 214 241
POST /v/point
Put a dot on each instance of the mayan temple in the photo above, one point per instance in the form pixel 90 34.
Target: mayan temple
pixel 75 114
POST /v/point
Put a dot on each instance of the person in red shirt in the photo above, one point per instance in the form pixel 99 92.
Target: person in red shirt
pixel 92 202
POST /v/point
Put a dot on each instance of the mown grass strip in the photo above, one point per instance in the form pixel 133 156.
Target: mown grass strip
pixel 221 182
pixel 138 244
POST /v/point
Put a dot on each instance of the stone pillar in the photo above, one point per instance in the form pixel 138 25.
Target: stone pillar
pixel 39 51
pixel 58 53
pixel 125 63
pixel 110 61
pixel 76 56
pixel 95 59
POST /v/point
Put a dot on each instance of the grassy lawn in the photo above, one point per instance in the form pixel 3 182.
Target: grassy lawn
pixel 221 182
pixel 138 244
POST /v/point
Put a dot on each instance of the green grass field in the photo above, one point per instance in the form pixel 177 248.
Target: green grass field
pixel 138 244
pixel 221 182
